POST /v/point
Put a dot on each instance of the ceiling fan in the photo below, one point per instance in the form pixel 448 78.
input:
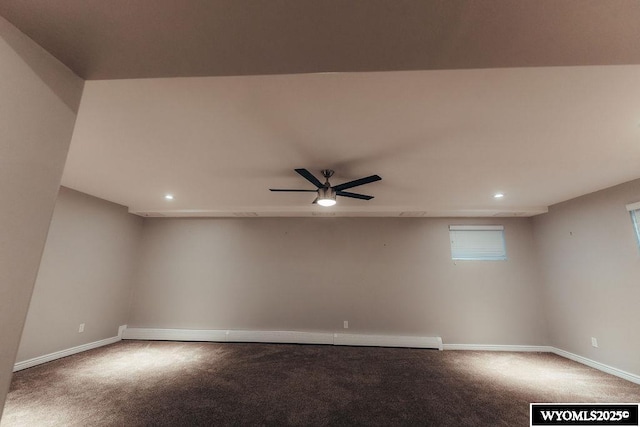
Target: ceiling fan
pixel 327 193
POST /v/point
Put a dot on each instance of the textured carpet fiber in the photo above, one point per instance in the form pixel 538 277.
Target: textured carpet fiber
pixel 167 383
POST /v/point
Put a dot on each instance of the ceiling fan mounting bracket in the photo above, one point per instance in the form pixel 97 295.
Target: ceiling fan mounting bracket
pixel 327 173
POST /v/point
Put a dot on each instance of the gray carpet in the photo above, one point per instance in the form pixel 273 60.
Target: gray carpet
pixel 137 383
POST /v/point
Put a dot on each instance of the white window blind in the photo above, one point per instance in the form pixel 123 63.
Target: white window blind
pixel 634 210
pixel 477 242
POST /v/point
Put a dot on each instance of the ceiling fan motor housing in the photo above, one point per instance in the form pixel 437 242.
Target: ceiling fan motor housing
pixel 326 193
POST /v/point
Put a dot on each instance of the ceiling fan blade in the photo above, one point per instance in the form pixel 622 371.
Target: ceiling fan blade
pixel 309 177
pixel 361 181
pixel 353 195
pixel 297 191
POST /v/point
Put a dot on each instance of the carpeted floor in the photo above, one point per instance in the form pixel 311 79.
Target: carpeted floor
pixel 136 383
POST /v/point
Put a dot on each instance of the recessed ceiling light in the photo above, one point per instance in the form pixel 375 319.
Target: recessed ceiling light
pixel 498 196
pixel 168 196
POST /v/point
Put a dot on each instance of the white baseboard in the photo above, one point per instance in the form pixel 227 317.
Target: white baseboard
pixel 597 365
pixel 548 349
pixel 295 337
pixel 286 337
pixel 121 330
pixel 68 352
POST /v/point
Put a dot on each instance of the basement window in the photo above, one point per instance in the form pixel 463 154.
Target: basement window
pixel 634 210
pixel 477 242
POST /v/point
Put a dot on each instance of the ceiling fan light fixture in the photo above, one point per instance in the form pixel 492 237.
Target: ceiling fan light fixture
pixel 326 202
pixel 326 192
pixel 326 197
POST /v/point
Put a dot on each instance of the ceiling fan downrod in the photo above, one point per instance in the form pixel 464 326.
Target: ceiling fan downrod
pixel 327 173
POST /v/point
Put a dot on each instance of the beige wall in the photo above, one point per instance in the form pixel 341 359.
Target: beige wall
pixel 384 275
pixel 85 275
pixel 591 263
pixel 39 99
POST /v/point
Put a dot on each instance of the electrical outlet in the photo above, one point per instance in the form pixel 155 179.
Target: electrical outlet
pixel 346 324
pixel 81 328
pixel 594 342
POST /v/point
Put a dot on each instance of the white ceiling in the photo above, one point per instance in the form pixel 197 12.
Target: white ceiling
pixel 449 101
pixel 443 141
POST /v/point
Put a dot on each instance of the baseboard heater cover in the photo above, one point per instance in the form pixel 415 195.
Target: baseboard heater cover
pixel 174 334
pixel 284 337
pixel 387 341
